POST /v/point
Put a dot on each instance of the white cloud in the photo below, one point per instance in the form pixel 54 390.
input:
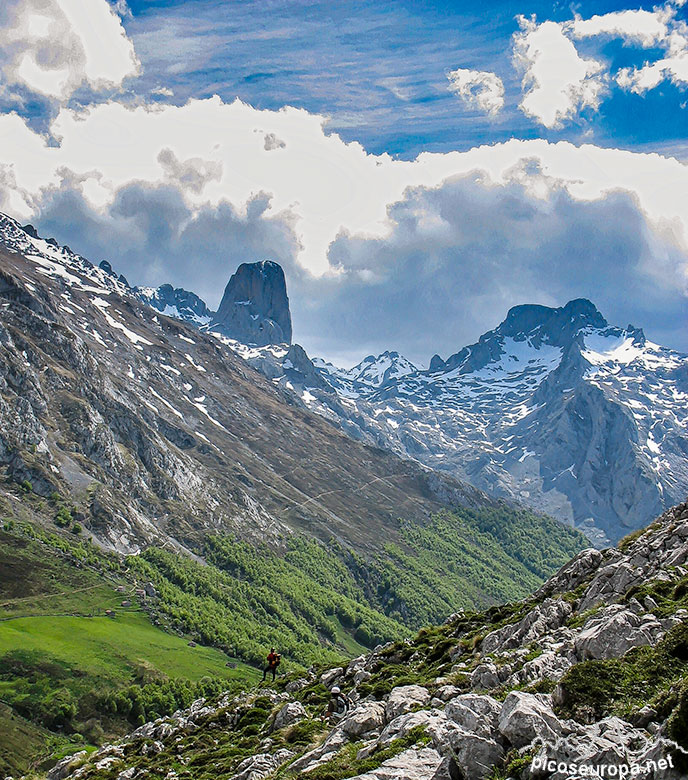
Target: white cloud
pixel 215 153
pixel 557 81
pixel 645 28
pixel 192 174
pixel 672 67
pixel 479 88
pixel 54 46
pixel 658 27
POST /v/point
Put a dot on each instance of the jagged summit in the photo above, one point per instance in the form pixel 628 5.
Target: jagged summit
pixel 532 323
pixel 372 372
pixel 176 302
pixel 559 324
pixel 554 407
pixel 255 307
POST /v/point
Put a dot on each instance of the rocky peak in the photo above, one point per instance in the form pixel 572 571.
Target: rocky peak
pixel 531 323
pixel 555 326
pixel 255 307
pixel 175 302
pixel 377 371
pixel 105 266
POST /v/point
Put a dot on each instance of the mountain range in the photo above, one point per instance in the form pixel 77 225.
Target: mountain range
pixel 555 408
pixel 158 433
pixel 142 454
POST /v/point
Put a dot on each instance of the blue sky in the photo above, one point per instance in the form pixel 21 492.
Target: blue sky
pixel 416 167
pixel 378 69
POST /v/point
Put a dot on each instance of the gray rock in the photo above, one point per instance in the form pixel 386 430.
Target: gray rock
pixel 615 631
pixel 291 712
pixel 330 677
pixel 474 713
pixel 447 692
pixel 548 666
pixel 67 765
pixel 526 717
pixel 412 764
pixel 261 765
pixel 643 717
pixel 334 742
pixel 356 665
pixel 474 755
pixel 447 770
pixel 434 722
pixel 296 685
pixel 367 717
pixel 404 698
pixel 485 676
pixel 541 620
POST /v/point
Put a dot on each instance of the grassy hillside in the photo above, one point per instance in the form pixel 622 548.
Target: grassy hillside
pixel 315 601
pixel 71 675
pixel 61 656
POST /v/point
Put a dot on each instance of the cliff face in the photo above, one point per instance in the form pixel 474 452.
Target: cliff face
pixel 255 307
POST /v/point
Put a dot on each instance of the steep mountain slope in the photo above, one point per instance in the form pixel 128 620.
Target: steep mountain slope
pixel 555 408
pixel 588 677
pixel 158 433
pixel 255 521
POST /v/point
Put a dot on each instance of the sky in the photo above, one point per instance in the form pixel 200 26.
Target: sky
pixel 416 167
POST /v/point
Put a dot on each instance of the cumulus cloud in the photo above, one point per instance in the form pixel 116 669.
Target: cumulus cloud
pixel 672 67
pixel 645 28
pixel 660 28
pixel 186 193
pixel 192 174
pixel 481 89
pixel 455 258
pixel 459 255
pixel 52 47
pixel 215 152
pixel 557 81
pixel 151 235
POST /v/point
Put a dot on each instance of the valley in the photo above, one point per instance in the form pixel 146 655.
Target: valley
pixel 138 450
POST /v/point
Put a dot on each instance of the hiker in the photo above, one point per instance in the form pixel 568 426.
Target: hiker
pixel 273 662
pixel 337 707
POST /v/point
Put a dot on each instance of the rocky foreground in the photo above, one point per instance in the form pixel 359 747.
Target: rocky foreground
pixel 591 670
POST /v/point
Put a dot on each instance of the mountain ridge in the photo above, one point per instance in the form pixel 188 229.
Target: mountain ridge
pixel 517 414
pixel 161 434
pixel 554 407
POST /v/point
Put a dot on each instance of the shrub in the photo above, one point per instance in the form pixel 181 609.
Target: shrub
pixel 63 518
